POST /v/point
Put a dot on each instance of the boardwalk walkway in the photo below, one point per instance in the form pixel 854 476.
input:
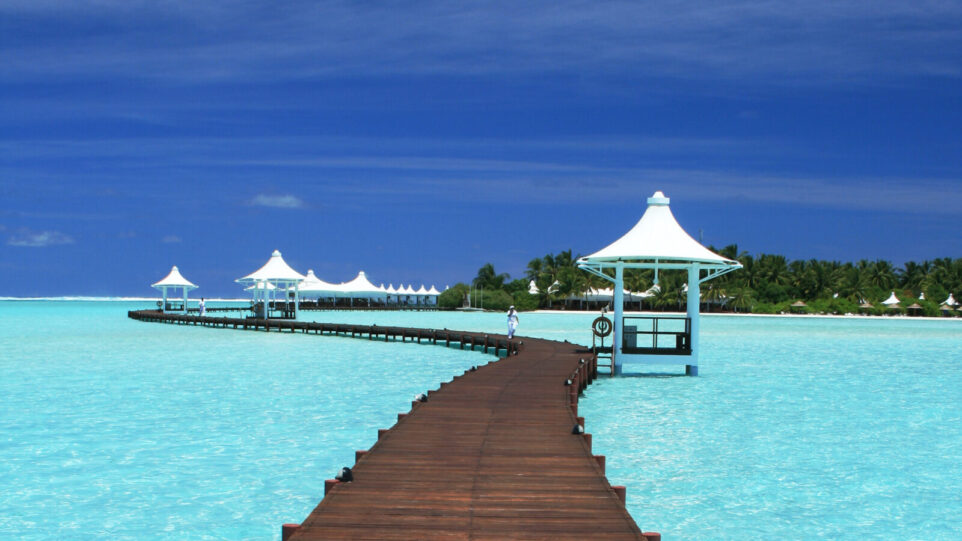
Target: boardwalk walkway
pixel 490 455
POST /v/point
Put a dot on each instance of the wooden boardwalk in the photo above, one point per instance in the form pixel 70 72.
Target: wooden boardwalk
pixel 489 455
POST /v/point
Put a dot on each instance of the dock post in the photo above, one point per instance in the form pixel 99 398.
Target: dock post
pixel 287 530
pixel 691 369
pixel 329 484
pixel 600 459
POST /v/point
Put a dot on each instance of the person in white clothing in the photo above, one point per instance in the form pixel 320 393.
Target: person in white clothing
pixel 512 322
pixel 202 308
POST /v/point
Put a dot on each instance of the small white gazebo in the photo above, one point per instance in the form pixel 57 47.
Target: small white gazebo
pixel 891 301
pixel 173 280
pixel 657 242
pixel 275 276
pixel 949 301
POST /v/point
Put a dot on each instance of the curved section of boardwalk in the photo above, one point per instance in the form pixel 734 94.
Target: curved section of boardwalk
pixel 490 455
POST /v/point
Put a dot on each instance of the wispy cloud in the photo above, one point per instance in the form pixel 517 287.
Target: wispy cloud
pixel 812 42
pixel 277 201
pixel 171 239
pixel 38 239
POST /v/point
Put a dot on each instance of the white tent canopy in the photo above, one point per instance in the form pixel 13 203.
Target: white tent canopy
pixel 361 287
pixel 950 301
pixel 892 300
pixel 658 237
pixel 275 270
pixel 312 285
pixel 174 279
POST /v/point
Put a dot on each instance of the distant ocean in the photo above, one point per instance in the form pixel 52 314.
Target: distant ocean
pixel 835 428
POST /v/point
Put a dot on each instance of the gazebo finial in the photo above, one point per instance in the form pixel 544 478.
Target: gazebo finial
pixel 658 199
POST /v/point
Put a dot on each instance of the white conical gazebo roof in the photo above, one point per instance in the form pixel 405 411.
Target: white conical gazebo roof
pixel 421 290
pixel 658 237
pixel 261 286
pixel 892 300
pixel 390 289
pixel 433 291
pixel 174 279
pixel 360 286
pixel 275 270
pixel 950 301
pixel 313 284
pixel 532 288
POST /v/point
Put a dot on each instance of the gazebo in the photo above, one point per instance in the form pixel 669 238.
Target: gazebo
pixel 173 280
pixel 657 242
pixel 275 276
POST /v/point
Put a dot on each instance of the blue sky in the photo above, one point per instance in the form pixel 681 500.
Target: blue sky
pixel 419 140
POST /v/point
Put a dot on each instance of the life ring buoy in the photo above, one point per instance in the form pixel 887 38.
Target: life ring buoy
pixel 601 326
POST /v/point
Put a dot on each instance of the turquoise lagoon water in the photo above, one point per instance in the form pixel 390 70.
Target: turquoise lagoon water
pixel 837 428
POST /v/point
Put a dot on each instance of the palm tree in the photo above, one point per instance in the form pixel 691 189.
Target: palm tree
pixel 743 298
pixel 882 274
pixel 488 279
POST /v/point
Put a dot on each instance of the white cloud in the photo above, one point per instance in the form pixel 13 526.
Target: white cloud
pixel 277 201
pixel 170 239
pixel 38 239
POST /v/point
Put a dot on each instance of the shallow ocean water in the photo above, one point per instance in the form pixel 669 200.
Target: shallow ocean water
pixel 838 428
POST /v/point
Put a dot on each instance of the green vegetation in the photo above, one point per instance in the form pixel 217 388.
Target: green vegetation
pixel 767 284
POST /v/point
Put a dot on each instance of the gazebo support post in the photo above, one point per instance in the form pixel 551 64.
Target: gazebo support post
pixel 619 300
pixel 163 301
pixel 693 304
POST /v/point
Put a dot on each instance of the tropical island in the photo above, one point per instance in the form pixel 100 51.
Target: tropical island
pixel 766 284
